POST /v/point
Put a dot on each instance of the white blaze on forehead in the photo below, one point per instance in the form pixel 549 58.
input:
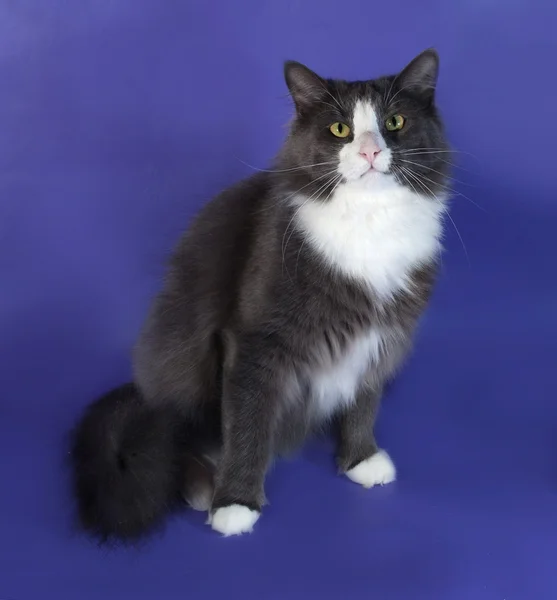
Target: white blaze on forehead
pixel 364 122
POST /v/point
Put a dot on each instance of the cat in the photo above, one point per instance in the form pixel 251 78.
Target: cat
pixel 288 304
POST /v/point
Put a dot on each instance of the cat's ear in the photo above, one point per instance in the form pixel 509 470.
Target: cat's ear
pixel 306 87
pixel 420 76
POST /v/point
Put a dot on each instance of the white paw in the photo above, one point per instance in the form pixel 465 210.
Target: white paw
pixel 375 470
pixel 234 519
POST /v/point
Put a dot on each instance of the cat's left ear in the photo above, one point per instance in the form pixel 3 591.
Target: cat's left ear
pixel 306 87
pixel 420 76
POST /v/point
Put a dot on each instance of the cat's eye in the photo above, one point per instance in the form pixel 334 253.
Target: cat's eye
pixel 340 130
pixel 395 123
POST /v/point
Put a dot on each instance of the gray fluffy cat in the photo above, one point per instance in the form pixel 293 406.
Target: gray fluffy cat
pixel 289 303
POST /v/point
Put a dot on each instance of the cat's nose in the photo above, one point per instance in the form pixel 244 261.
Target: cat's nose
pixel 369 150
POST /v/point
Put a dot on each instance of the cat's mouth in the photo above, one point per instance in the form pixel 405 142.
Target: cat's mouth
pixel 372 172
pixel 364 172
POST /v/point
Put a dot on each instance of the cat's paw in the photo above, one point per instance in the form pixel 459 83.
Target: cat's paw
pixel 378 469
pixel 234 519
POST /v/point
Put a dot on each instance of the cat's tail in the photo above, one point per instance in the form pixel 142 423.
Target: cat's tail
pixel 130 464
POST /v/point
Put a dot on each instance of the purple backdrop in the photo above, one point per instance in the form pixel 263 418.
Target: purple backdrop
pixel 118 119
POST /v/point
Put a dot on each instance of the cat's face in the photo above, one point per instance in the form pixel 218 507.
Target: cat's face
pixel 366 134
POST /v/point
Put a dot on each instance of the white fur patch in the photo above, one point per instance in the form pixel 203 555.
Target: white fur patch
pixel 364 119
pixel 234 519
pixel 373 230
pixel 364 122
pixel 376 470
pixel 336 383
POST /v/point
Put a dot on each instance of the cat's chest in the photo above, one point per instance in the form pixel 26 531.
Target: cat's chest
pixel 336 382
pixel 377 239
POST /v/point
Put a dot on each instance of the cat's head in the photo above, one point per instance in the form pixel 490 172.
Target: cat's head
pixel 381 132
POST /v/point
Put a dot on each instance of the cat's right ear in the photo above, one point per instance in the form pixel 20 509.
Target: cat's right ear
pixel 306 87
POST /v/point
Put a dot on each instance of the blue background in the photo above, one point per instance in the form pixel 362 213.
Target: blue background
pixel 118 119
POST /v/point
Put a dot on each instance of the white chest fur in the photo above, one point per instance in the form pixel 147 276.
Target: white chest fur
pixel 374 232
pixel 336 384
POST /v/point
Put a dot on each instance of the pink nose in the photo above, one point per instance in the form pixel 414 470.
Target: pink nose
pixel 370 154
pixel 369 149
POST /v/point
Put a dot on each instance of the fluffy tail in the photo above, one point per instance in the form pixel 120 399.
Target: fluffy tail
pixel 129 464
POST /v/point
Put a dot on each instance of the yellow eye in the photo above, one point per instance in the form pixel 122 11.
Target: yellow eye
pixel 395 123
pixel 340 130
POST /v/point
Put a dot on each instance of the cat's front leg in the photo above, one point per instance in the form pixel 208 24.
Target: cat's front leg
pixel 359 456
pixel 247 426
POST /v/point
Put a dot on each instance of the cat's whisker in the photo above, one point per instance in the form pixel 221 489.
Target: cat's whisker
pixel 424 151
pixel 407 87
pixel 455 193
pixel 316 193
pixel 401 175
pixel 388 94
pixel 284 244
pixel 452 164
pixel 413 154
pixel 338 182
pixel 448 189
pixel 405 178
pixel 410 162
pixel 447 162
pixel 300 168
pixel 435 183
pixel 425 148
pixel 459 237
pixel 329 173
pixel 334 99
pixel 420 183
pixel 410 173
pixel 335 108
pixel 434 151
